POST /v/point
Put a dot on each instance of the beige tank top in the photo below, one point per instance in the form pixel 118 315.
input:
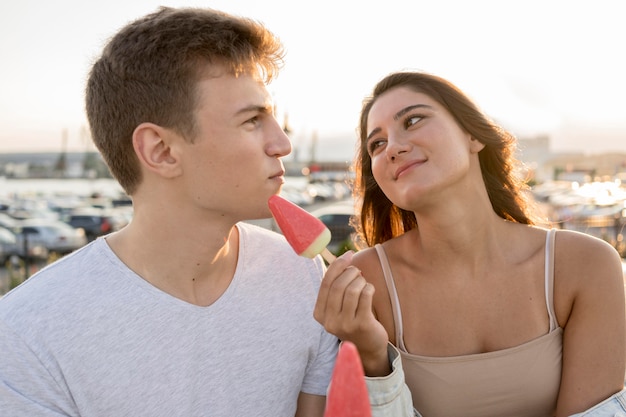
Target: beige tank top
pixel 518 381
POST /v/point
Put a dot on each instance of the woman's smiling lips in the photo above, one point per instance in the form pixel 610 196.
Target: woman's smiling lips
pixel 404 168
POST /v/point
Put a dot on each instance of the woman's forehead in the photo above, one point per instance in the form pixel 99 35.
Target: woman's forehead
pixel 388 104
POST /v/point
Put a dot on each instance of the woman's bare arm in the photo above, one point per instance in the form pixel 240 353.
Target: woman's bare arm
pixel 589 299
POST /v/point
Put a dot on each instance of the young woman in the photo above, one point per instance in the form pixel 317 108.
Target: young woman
pixel 493 315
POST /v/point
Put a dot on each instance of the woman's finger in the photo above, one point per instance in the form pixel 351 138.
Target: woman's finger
pixel 332 273
pixel 337 292
pixel 352 297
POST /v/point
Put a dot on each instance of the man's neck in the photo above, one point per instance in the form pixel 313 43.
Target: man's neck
pixel 194 267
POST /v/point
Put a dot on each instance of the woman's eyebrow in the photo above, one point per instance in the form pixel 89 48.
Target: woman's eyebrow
pixel 408 109
pixel 399 115
pixel 372 133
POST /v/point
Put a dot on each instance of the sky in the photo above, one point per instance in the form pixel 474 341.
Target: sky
pixel 538 67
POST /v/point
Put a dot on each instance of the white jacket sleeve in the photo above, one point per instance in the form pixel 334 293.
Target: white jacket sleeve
pixel 389 395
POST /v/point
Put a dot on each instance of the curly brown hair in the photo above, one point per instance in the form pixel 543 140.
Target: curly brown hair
pixel 379 220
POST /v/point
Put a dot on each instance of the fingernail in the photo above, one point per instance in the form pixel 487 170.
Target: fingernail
pixel 347 255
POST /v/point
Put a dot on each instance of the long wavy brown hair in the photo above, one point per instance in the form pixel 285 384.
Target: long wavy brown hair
pixel 379 220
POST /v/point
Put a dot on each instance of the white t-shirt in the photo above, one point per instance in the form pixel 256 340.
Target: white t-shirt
pixel 88 337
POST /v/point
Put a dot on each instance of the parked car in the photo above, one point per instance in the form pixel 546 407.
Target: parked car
pixel 7 221
pixel 8 244
pixel 55 235
pixel 337 217
pixel 9 247
pixel 95 222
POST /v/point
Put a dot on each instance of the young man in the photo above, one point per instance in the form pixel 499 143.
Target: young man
pixel 187 311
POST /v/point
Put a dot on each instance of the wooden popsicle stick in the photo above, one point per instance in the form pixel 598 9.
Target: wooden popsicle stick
pixel 328 256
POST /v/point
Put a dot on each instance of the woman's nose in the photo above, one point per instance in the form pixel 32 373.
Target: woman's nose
pixel 395 148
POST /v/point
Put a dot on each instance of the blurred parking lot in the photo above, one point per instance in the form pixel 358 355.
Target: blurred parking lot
pixel 27 245
pixel 38 228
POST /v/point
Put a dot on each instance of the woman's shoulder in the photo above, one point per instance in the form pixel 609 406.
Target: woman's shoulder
pixel 571 247
pixel 367 260
pixel 581 248
pixel 586 264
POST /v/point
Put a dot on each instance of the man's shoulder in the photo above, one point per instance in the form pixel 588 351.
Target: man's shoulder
pixel 56 282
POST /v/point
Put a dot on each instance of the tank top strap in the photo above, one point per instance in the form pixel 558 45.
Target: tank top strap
pixel 549 277
pixel 393 295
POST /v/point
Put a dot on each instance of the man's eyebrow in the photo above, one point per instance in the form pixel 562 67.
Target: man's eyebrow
pixel 399 115
pixel 256 108
pixel 408 109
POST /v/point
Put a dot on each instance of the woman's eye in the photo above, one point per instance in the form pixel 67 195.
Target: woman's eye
pixel 374 145
pixel 411 120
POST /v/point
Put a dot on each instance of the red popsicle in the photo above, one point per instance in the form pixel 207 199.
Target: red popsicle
pixel 347 395
pixel 306 234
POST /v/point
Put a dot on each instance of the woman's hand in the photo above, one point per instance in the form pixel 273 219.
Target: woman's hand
pixel 344 308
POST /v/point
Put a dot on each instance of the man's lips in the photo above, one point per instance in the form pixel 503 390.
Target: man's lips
pixel 407 166
pixel 277 174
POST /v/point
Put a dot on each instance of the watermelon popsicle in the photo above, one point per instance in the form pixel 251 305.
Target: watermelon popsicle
pixel 347 394
pixel 306 234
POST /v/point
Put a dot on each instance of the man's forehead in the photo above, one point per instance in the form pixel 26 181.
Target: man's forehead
pixel 230 93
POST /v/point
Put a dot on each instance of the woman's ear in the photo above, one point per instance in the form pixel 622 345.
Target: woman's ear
pixel 152 144
pixel 476 145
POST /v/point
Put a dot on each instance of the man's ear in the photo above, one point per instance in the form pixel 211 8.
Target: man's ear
pixel 152 144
